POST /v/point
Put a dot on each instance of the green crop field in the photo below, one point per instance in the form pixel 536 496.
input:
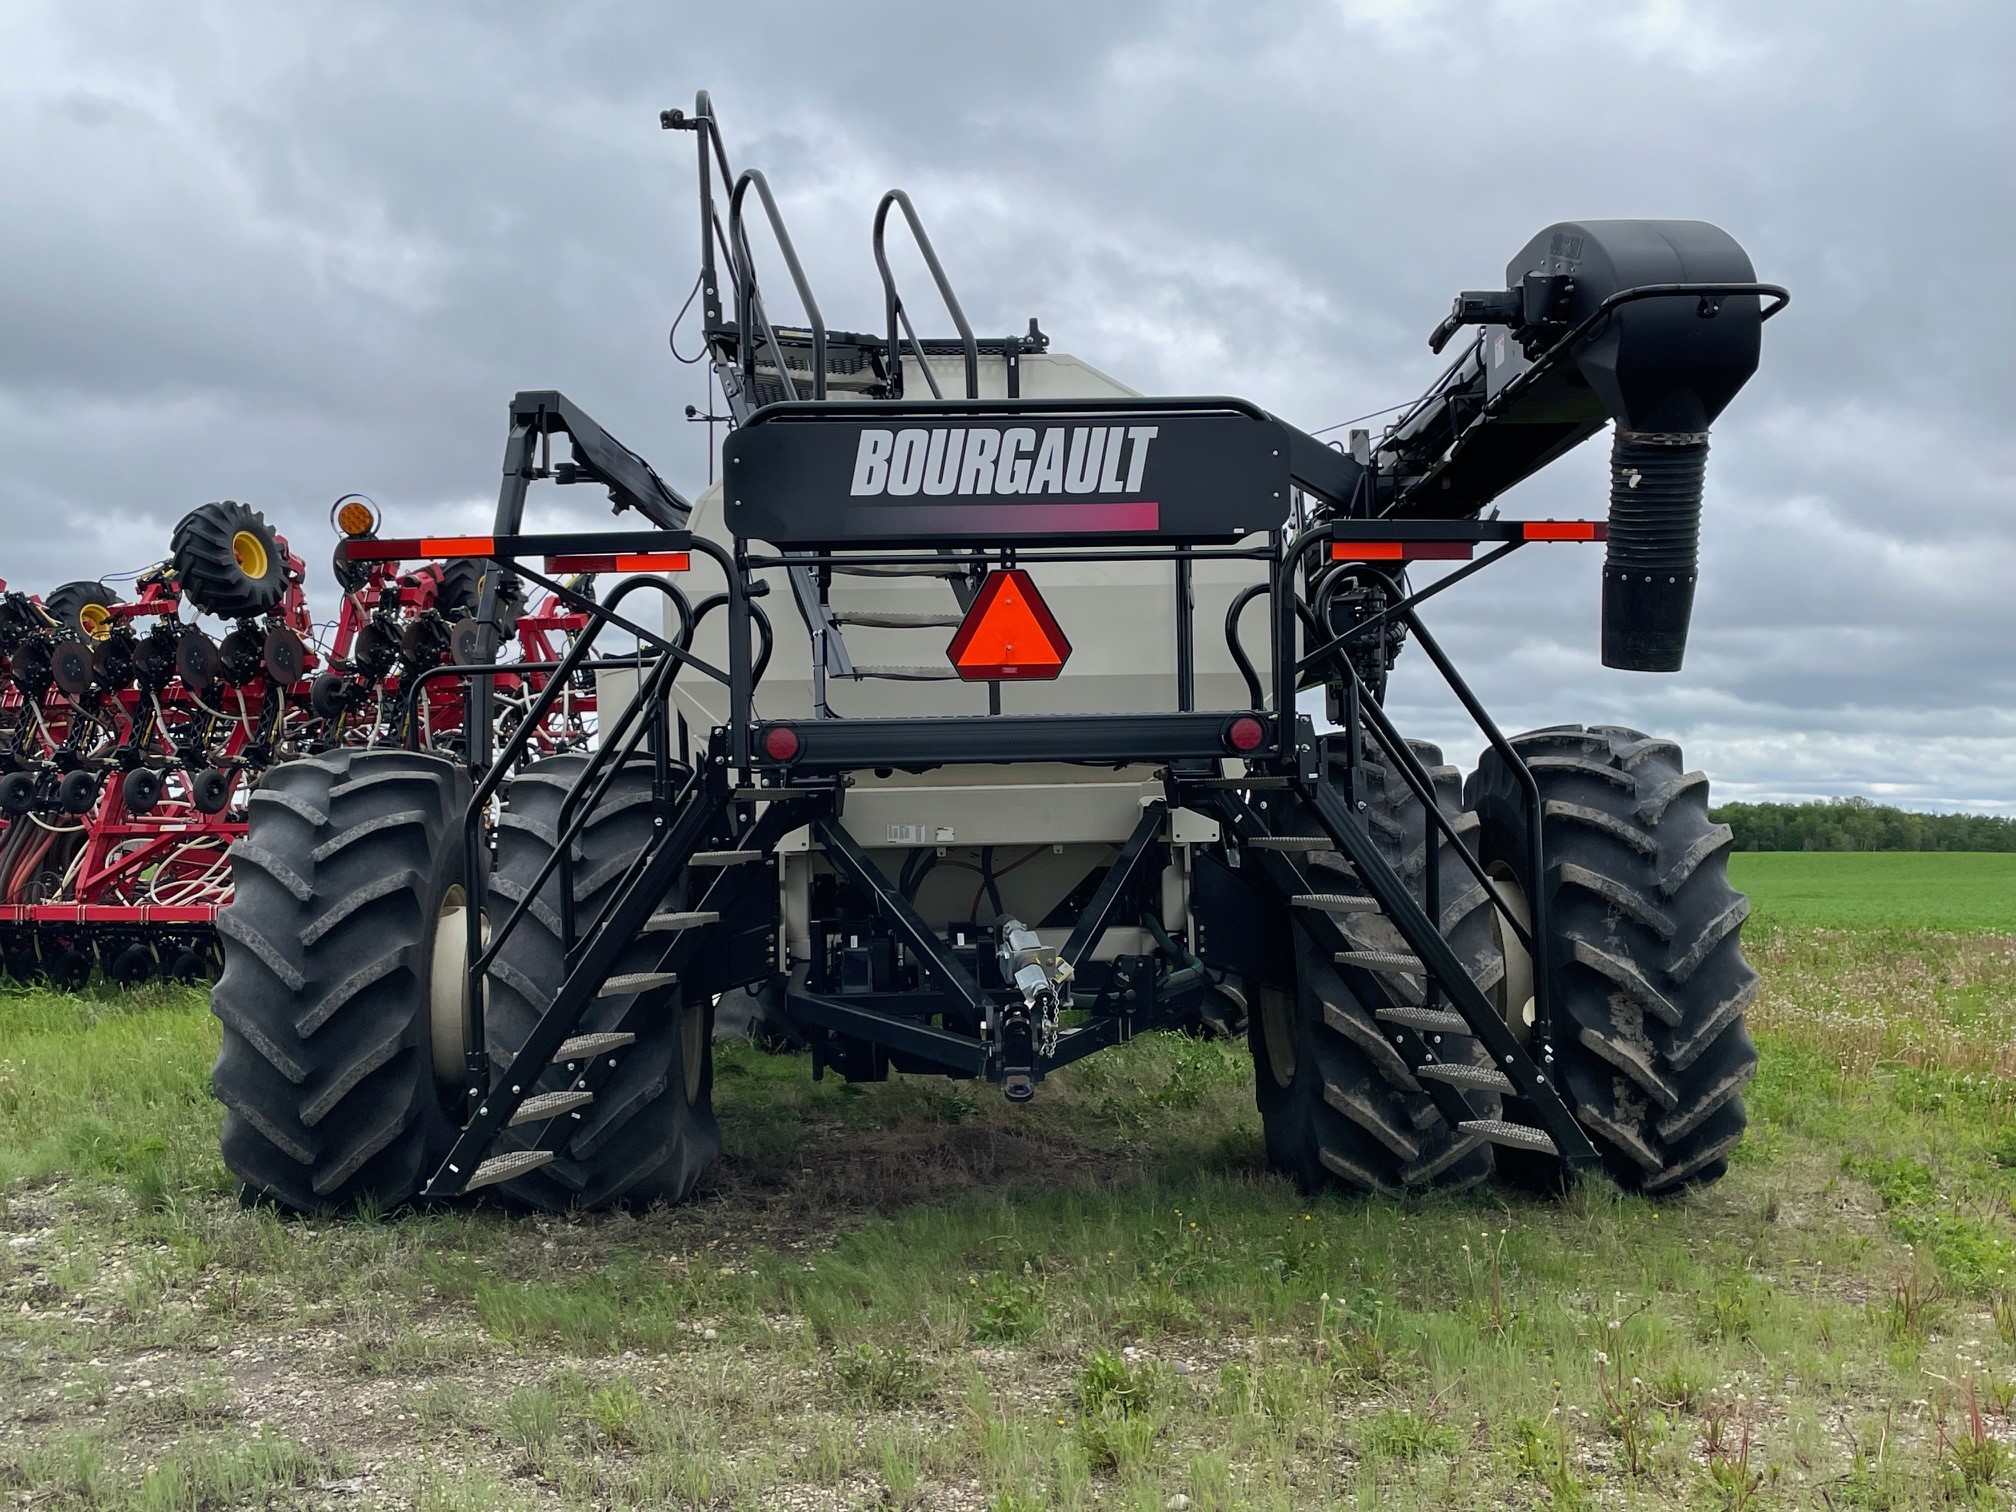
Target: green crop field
pixel 1881 889
pixel 916 1296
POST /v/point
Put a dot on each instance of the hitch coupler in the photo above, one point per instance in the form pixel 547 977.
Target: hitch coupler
pixel 1027 1031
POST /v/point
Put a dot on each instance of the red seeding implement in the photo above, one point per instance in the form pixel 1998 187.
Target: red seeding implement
pixel 133 741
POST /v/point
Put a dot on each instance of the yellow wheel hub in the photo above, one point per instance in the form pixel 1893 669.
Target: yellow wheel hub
pixel 250 554
pixel 95 620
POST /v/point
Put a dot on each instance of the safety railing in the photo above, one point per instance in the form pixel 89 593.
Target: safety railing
pixel 898 315
pixel 748 301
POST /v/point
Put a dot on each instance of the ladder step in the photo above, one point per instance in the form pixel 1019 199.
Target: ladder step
pixel 1455 1075
pixel 1240 784
pixel 883 619
pixel 1382 960
pixel 503 1167
pixel 1338 902
pixel 551 1105
pixel 908 674
pixel 637 981
pixel 588 1046
pixel 668 923
pixel 1428 1020
pixel 1519 1136
pixel 873 570
pixel 1291 843
pixel 775 794
pixel 725 858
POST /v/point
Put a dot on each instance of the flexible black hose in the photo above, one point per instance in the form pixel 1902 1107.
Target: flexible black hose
pixel 1652 562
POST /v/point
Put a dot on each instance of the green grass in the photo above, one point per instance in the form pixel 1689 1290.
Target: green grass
pixel 1957 890
pixel 913 1295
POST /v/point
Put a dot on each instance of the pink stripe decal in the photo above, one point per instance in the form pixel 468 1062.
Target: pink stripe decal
pixel 1012 519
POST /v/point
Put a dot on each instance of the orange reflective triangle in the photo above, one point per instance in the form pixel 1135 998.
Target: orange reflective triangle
pixel 1009 634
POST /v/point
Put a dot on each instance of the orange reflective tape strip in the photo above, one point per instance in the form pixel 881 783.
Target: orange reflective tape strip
pixel 629 561
pixel 654 561
pixel 1562 530
pixel 1367 551
pixel 457 546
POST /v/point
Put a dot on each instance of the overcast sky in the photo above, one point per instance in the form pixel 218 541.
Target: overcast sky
pixel 277 253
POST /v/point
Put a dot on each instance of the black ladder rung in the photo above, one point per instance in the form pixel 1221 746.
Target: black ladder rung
pixel 636 981
pixel 1454 1074
pixel 1518 1136
pixel 775 794
pixel 907 674
pixel 1292 843
pixel 1239 784
pixel 672 923
pixel 503 1167
pixel 1428 1020
pixel 1382 960
pixel 724 858
pixel 1338 902
pixel 551 1105
pixel 588 1046
pixel 890 619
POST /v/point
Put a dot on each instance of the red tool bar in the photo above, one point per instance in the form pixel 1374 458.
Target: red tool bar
pixel 109 913
pixel 635 561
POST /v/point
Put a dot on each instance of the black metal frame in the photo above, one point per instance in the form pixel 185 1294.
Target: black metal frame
pixel 1295 788
pixel 742 799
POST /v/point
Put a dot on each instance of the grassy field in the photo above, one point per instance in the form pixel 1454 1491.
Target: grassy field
pixel 914 1296
pixel 1881 889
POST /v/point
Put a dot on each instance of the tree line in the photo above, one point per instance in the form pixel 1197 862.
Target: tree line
pixel 1857 824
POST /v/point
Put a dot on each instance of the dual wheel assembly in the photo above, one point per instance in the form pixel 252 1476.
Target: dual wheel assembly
pixel 1649 984
pixel 343 996
pixel 346 1028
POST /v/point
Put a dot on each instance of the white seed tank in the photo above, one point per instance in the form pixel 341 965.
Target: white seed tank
pixel 1037 829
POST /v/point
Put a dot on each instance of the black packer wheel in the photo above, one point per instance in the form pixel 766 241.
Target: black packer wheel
pixel 1649 981
pixel 229 561
pixel 650 1133
pixel 83 607
pixel 346 887
pixel 1337 1103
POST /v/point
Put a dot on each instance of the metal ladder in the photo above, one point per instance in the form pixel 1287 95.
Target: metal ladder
pixel 709 828
pixel 1423 1035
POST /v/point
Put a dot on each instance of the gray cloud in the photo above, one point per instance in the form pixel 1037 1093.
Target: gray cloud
pixel 281 253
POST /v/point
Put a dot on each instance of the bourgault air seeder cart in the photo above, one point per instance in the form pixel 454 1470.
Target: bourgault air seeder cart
pixel 1102 812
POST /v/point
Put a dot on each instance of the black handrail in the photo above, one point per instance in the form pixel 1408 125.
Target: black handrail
pixel 1240 659
pixel 894 301
pixel 708 130
pixel 747 299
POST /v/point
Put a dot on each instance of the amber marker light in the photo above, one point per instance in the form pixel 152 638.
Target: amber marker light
pixel 355 516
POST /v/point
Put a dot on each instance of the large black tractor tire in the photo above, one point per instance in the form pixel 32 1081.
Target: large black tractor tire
pixel 82 607
pixel 341 885
pixel 461 591
pixel 229 561
pixel 1338 1105
pixel 1649 981
pixel 650 1133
